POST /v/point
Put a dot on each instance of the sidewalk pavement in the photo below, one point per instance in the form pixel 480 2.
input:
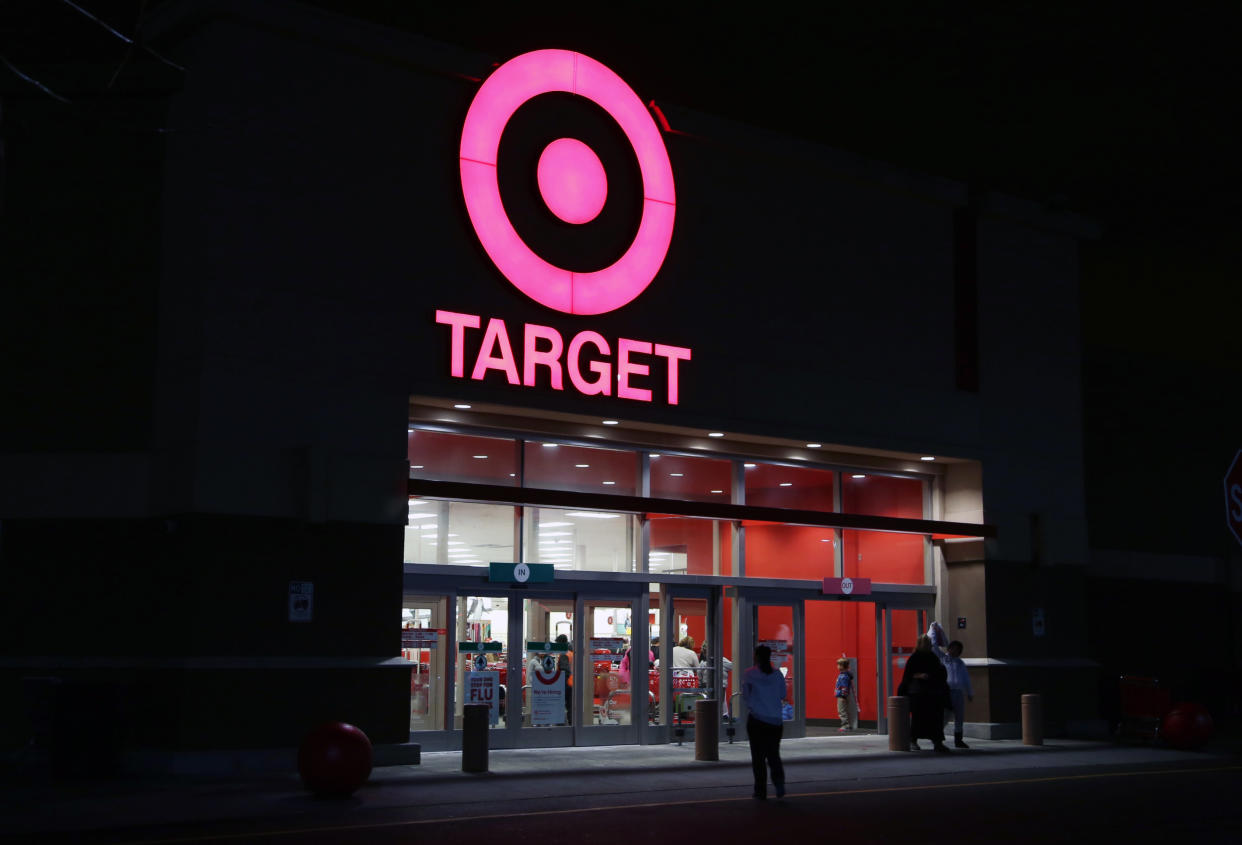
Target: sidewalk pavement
pixel 529 774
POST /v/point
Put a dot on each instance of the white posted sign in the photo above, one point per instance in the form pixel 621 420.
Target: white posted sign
pixel 484 688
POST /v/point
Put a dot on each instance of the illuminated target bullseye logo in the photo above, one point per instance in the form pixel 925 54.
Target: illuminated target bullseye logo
pixel 571 181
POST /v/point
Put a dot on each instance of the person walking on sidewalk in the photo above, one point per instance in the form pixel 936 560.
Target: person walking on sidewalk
pixel 763 691
pixel 924 681
pixel 960 690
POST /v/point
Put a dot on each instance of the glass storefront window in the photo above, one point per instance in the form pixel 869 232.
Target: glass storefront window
pixel 439 456
pixel 581 469
pixel 691 479
pixel 882 495
pixel 780 550
pixel 583 540
pixel 775 486
pixel 458 532
pixel 686 545
pixel 883 557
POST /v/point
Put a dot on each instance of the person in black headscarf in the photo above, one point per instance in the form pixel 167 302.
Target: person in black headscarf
pixel 925 683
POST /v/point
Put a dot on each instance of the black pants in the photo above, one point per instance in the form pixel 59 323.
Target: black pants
pixel 765 751
pixel 927 717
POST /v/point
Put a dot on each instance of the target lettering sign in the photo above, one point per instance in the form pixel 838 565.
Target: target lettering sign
pixel 573 186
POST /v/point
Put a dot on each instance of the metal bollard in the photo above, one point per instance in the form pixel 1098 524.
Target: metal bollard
pixel 474 737
pixel 898 723
pixel 1032 719
pixel 707 729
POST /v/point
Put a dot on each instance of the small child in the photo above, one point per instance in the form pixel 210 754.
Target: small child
pixel 844 691
pixel 959 687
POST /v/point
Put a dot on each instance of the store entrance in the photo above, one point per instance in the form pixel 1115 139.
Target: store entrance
pixel 549 663
pixel 778 624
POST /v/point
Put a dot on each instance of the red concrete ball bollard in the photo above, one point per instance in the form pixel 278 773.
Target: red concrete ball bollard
pixel 334 759
pixel 1187 725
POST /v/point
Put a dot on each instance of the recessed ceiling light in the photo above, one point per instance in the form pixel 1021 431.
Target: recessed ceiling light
pixel 676 474
pixel 416 466
pixel 825 540
pixel 715 434
pixel 610 482
pixel 858 475
pixel 787 484
pixel 480 457
pixel 748 466
pixel 813 445
pixel 717 491
pixel 928 458
pixel 582 466
pixel 462 407
pixel 610 422
pixel 513 475
pixel 550 445
pixel 653 455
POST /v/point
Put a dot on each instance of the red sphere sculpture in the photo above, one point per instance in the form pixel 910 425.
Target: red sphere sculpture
pixel 1187 725
pixel 334 759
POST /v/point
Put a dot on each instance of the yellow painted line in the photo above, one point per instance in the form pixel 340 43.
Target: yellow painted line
pixel 224 837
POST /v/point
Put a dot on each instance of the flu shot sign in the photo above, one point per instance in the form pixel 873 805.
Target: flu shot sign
pixel 484 688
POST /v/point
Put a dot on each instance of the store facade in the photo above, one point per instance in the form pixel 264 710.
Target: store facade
pixel 701 380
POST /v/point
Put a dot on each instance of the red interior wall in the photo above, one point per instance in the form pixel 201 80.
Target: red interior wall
pixel 884 558
pixel 696 536
pixel 788 551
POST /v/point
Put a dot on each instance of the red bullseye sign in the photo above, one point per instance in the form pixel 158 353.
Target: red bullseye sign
pixel 571 181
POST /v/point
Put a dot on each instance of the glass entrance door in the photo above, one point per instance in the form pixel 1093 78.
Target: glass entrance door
pixel 691 659
pixel 481 672
pixel 779 626
pixel 424 642
pixel 612 697
pixel 548 672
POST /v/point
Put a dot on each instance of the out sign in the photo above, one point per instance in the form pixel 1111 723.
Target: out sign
pixel 1233 497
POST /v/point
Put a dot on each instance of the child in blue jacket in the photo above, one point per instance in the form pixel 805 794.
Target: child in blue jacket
pixel 844 692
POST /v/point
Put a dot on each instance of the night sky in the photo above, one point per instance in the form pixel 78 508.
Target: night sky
pixel 1124 114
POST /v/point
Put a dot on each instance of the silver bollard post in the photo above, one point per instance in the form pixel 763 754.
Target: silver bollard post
pixel 706 730
pixel 1032 719
pixel 898 723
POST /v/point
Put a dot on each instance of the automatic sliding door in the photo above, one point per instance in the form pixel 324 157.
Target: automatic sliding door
pixel 606 697
pixel 481 675
pixel 424 642
pixel 779 626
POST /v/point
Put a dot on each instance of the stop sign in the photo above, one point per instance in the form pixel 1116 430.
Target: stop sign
pixel 1233 496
